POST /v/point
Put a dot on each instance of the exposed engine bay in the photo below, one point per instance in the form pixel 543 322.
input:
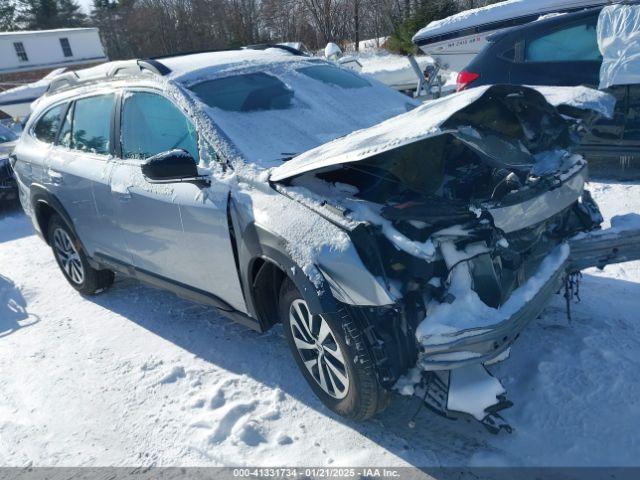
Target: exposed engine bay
pixel 468 229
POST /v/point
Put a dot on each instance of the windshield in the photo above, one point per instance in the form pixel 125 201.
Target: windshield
pixel 6 135
pixel 270 116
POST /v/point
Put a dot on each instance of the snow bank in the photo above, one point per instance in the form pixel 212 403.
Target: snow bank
pixel 619 42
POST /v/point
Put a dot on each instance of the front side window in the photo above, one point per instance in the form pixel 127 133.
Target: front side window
pixel 151 124
pixel 47 127
pixel 20 51
pixel 575 43
pixel 66 47
pixel 245 93
pixel 87 126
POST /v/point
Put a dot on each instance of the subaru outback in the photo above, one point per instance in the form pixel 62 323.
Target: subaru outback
pixel 397 243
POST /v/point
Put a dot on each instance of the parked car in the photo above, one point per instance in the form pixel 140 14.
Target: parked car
pixel 8 187
pixel 283 189
pixel 563 50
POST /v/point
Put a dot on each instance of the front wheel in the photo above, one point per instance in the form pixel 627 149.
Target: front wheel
pixel 332 356
pixel 73 262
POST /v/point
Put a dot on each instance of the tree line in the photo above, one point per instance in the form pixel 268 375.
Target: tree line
pixel 147 28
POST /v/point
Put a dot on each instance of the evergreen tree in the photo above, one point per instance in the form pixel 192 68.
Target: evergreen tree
pixel 48 14
pixel 426 12
pixel 7 17
pixel 70 15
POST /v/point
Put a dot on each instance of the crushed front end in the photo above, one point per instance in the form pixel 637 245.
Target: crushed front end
pixel 468 229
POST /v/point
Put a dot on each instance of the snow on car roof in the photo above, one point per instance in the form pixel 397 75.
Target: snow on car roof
pixel 499 12
pixel 186 67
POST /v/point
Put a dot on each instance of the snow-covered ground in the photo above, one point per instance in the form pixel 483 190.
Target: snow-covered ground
pixel 137 376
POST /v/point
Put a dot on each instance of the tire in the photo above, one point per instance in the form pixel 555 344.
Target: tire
pixel 351 386
pixel 72 260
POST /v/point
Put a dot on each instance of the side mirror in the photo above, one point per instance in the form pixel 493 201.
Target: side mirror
pixel 171 167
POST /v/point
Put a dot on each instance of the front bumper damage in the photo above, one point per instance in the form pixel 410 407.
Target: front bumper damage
pixel 485 344
pixel 463 354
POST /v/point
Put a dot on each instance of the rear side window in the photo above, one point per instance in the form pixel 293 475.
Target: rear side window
pixel 47 127
pixel 87 126
pixel 151 124
pixel 575 43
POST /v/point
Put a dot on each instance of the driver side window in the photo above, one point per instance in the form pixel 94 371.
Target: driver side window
pixel 151 124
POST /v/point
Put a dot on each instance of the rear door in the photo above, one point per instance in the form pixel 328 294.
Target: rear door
pixel 563 55
pixel 78 169
pixel 176 231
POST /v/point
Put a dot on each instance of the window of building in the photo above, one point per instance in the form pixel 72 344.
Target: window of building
pixel 66 47
pixel 20 51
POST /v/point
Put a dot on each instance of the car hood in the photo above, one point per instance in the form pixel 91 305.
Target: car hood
pixel 520 119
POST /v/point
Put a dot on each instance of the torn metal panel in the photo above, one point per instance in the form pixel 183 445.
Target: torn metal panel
pixel 618 244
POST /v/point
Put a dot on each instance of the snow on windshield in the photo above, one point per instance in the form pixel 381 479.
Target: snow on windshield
pixel 273 114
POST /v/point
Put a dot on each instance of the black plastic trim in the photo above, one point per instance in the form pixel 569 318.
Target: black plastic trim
pixel 177 288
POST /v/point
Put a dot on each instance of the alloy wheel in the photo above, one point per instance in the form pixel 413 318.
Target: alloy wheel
pixel 321 354
pixel 68 256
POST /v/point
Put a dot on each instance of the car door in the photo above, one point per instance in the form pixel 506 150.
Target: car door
pixel 78 169
pixel 561 55
pixel 176 231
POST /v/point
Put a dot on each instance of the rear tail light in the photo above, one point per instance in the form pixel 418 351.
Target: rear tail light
pixel 465 79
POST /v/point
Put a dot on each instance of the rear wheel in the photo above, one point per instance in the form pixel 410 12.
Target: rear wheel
pixel 332 356
pixel 73 262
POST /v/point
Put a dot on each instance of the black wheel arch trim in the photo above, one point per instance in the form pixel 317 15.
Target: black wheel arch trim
pixel 255 243
pixel 39 195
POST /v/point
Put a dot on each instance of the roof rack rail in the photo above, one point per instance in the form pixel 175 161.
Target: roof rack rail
pixel 264 46
pixel 112 69
pixel 190 52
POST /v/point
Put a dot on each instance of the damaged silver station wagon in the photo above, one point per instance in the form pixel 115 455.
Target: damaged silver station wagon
pixel 401 245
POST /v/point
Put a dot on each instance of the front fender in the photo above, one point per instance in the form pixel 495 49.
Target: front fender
pixel 255 242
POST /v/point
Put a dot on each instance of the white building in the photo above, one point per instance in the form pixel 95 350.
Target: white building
pixel 27 57
pixel 49 49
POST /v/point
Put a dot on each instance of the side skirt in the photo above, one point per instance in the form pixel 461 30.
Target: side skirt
pixel 179 289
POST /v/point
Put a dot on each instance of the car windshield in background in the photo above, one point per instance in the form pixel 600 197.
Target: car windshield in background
pixel 274 115
pixel 6 135
pixel 334 76
pixel 245 93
